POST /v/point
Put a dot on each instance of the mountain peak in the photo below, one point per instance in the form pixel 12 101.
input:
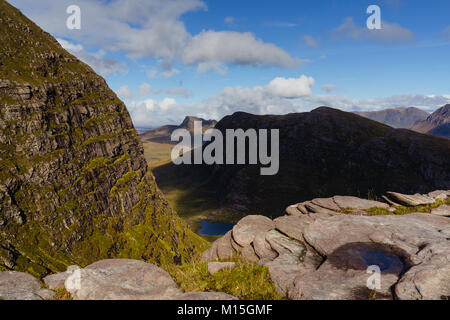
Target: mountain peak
pixel 438 123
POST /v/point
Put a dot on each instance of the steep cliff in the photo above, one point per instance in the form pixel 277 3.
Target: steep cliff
pixel 74 184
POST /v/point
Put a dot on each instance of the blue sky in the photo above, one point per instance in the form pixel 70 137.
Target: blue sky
pixel 171 58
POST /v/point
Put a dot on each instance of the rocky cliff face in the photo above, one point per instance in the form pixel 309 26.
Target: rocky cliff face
pixel 74 184
pixel 437 124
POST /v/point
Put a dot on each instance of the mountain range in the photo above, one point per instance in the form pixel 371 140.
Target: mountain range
pixel 163 134
pixel 323 153
pixel 396 117
pixel 437 124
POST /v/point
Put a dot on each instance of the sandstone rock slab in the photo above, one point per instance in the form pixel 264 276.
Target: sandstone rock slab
pixel 357 203
pixel 429 280
pixel 57 280
pixel 327 203
pixel 22 286
pixel 443 210
pixel 410 200
pixel 121 279
pixel 246 229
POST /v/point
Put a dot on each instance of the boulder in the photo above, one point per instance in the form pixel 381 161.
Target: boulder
pixel 293 226
pixel 224 247
pixel 429 280
pixel 408 232
pixel 293 210
pixel 331 283
pixel 410 200
pixel 121 279
pixel 249 254
pixel 210 254
pixel 57 280
pixel 283 271
pixel 214 267
pixel 345 202
pixel 283 245
pixel 262 248
pixel 317 209
pixel 443 210
pixel 301 207
pixel 439 194
pixel 246 229
pixel 327 203
pixel 22 286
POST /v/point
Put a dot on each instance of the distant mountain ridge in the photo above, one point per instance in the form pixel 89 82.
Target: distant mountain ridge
pixel 396 117
pixel 323 153
pixel 437 124
pixel 163 134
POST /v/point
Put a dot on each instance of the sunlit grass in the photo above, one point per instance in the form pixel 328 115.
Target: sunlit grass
pixel 246 281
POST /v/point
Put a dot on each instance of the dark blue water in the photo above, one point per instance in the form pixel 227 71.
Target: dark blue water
pixel 214 228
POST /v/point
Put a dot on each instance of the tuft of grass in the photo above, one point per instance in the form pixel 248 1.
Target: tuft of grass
pixel 62 294
pixel 245 281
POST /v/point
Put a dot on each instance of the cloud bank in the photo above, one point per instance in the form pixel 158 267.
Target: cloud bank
pixel 153 29
pixel 389 32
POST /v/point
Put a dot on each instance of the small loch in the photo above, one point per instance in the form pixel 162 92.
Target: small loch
pixel 214 228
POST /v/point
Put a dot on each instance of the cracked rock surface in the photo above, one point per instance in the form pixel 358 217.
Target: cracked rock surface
pixel 317 252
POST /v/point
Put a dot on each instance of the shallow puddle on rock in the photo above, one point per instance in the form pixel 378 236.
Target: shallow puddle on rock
pixel 361 255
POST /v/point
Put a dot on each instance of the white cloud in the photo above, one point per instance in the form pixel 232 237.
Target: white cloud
pixel 388 34
pixel 328 87
pixel 97 61
pixel 145 89
pixel 124 92
pixel 291 88
pixel 425 102
pixel 153 29
pixel 153 113
pixel 270 99
pixel 210 49
pixel 260 100
pixel 310 41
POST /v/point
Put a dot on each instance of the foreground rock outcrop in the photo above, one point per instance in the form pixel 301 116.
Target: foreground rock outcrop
pixel 74 184
pixel 113 279
pixel 323 248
